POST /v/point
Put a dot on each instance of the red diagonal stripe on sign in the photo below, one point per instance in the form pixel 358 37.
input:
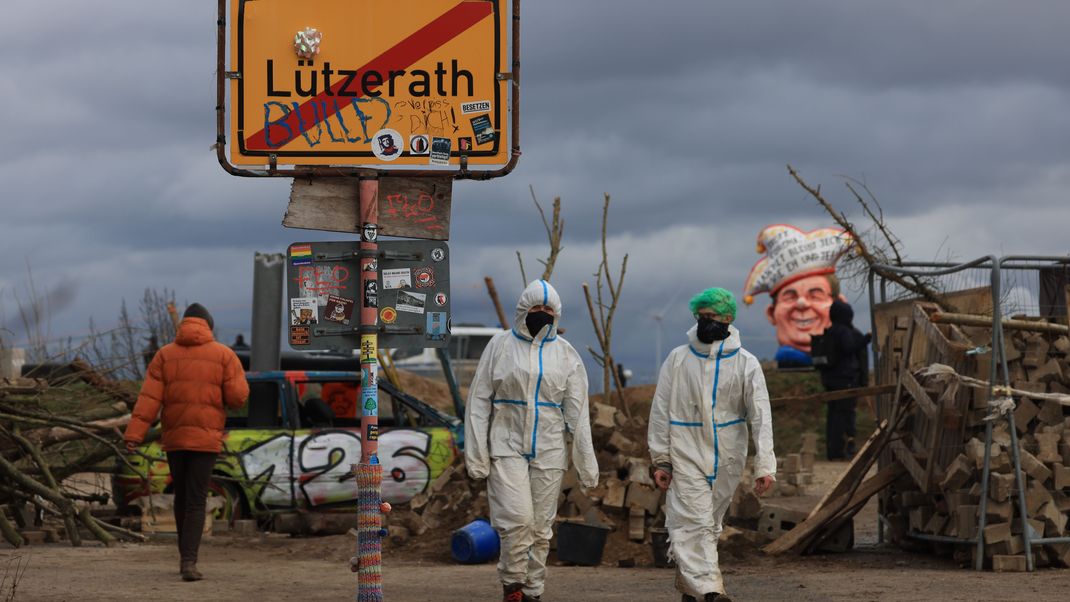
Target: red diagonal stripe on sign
pixel 430 37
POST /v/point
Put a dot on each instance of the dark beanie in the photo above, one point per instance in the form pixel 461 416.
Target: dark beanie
pixel 196 310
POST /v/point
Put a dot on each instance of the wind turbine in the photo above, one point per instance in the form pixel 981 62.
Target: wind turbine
pixel 658 316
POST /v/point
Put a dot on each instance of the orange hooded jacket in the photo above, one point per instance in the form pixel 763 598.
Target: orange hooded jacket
pixel 192 380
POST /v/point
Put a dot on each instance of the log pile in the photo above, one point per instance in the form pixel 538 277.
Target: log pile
pixel 41 447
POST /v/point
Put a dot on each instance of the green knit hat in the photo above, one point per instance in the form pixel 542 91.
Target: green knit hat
pixel 719 300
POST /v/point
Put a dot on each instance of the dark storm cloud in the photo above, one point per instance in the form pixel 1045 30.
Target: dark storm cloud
pixel 685 111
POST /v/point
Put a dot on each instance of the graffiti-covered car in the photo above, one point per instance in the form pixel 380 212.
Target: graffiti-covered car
pixel 292 445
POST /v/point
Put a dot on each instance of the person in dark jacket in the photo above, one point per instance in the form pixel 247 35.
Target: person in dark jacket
pixel 847 365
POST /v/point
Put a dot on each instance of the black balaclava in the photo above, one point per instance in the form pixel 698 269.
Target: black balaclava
pixel 535 320
pixel 710 330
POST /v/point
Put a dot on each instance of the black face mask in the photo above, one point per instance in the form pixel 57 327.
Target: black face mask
pixel 536 320
pixel 710 330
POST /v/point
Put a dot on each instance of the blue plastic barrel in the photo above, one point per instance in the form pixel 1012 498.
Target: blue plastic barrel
pixel 475 542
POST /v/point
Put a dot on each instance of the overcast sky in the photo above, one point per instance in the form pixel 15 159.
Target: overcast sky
pixel 955 113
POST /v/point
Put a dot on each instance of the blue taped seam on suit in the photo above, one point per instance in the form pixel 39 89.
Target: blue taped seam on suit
pixel 538 386
pixel 516 402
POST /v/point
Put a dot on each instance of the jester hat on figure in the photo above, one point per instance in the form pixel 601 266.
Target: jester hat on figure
pixel 791 254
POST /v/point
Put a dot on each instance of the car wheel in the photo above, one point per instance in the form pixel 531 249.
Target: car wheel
pixel 233 507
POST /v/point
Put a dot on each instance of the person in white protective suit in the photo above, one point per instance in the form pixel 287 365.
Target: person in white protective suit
pixel 529 390
pixel 709 391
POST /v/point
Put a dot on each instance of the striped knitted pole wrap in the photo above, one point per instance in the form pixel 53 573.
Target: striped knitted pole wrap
pixel 369 537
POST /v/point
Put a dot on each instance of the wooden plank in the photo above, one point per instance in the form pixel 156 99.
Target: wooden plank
pixel 948 351
pixel 919 394
pixel 841 507
pixel 853 473
pixel 1008 323
pixel 907 459
pixel 840 394
pixel 408 207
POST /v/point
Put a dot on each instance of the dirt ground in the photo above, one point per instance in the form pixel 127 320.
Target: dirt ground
pixel 277 567
pixel 280 568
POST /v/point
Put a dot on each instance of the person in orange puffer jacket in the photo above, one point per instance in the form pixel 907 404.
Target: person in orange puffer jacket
pixel 188 386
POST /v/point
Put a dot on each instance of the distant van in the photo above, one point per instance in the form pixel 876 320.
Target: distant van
pixel 466 345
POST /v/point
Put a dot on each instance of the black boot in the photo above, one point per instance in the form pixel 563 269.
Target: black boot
pixel 688 598
pixel 716 597
pixel 528 598
pixel 513 592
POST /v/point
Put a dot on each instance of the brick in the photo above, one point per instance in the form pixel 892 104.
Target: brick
pixel 807 460
pixel 1015 545
pixel 1000 487
pixel 936 524
pixel 1051 412
pixel 777 520
pixel 1054 520
pixel 636 523
pixel 965 519
pixel 800 478
pixel 639 471
pixel 1048 446
pixel 604 415
pixel 1061 476
pixel 997 532
pixel 615 493
pixel 920 517
pixel 620 443
pixel 643 496
pixel 1001 434
pixel 1062 345
pixel 975 451
pixel 1047 372
pixel 809 443
pixel 791 463
pixel 958 473
pixel 1036 495
pixel 999 511
pixel 1034 467
pixel 1024 413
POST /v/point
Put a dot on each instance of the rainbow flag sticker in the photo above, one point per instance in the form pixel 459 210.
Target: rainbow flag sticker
pixel 301 254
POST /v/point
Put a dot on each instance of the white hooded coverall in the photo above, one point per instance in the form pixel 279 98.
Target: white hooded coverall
pixel 529 389
pixel 706 397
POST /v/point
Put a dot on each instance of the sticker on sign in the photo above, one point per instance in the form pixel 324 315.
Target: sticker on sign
pixel 481 106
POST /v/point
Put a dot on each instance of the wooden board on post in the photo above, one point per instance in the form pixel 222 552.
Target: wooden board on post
pixel 408 207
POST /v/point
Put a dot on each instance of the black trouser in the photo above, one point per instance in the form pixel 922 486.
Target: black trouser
pixel 191 472
pixel 839 426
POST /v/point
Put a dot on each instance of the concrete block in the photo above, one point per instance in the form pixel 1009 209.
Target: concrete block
pixel 997 532
pixel 581 500
pixel 913 499
pixel 604 415
pixel 1051 412
pixel 1036 495
pixel 809 443
pixel 999 511
pixel 1061 345
pixel 246 528
pixel 636 523
pixel 1000 487
pixel 807 460
pixel 1048 446
pixel 645 497
pixel 1061 553
pixel 1054 520
pixel 777 520
pixel 958 473
pixel 1047 372
pixel 622 444
pixel 936 524
pixel 975 451
pixel 791 463
pixel 965 521
pixel 1033 467
pixel 919 517
pixel 615 493
pixel 1061 476
pixel 639 471
pixel 1024 413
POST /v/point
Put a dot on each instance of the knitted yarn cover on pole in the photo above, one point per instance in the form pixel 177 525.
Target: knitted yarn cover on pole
pixel 369 539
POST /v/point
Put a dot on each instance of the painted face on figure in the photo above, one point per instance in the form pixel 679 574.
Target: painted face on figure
pixel 801 309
